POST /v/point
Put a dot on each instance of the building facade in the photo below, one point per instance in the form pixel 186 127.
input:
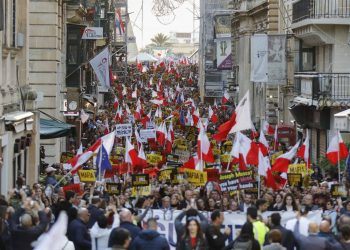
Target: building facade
pixel 322 72
pixel 19 118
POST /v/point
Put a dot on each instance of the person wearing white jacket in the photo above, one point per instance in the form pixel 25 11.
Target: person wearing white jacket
pixel 100 232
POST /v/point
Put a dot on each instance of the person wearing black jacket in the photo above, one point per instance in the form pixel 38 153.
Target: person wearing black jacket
pixel 26 232
pixel 78 231
pixel 245 240
pixel 180 228
pixel 216 240
pixel 288 240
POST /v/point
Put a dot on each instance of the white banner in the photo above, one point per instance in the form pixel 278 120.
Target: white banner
pixel 259 58
pixel 123 130
pixel 223 53
pixel 92 33
pixel 234 220
pixel 147 134
pixel 277 64
pixel 100 64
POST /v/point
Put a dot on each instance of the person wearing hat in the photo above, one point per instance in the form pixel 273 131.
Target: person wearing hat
pixel 50 178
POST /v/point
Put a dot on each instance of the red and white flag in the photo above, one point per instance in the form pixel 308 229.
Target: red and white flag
pixel 171 131
pixel 159 112
pixel 240 149
pixel 337 149
pixel 195 117
pixel 83 116
pixel 80 158
pixel 243 117
pixel 191 163
pixel 212 116
pixel 205 151
pixel 161 134
pixel 303 151
pixel 115 103
pixel 142 158
pixel 264 164
pixel 131 155
pixel 282 162
pixel 168 143
pixel 267 128
pixel 264 145
pixel 225 97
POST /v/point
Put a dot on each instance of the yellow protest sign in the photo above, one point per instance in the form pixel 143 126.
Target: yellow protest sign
pixel 225 158
pixel 181 147
pixel 165 174
pixel 141 191
pixel 195 177
pixel 299 169
pixel 153 159
pixel 274 156
pixel 87 175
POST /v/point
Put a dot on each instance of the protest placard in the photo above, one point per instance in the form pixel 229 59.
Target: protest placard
pixel 87 175
pixel 141 191
pixel 299 169
pixel 165 174
pixel 184 155
pixel 123 130
pixel 338 191
pixel 113 188
pixel 240 180
pixel 154 159
pixel 139 180
pixel 172 158
pixel 295 180
pixel 146 134
pixel 195 177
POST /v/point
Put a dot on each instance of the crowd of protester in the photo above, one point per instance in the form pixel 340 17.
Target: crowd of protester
pixel 100 220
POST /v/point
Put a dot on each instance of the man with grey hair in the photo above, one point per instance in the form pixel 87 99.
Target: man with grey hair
pixel 150 238
pixel 78 232
pixel 126 222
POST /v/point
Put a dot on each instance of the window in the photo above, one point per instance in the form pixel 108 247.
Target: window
pixel 13 23
pixel 308 59
pixel 2 15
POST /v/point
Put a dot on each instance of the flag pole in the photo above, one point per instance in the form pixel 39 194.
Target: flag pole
pixel 259 185
pixel 100 163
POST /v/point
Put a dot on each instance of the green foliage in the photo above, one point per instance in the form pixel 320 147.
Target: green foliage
pixel 160 40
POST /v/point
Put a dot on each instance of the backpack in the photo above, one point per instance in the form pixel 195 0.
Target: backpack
pixel 242 245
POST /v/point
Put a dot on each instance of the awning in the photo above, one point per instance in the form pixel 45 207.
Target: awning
pixel 50 129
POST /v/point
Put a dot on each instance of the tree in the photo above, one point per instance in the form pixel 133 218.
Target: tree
pixel 160 40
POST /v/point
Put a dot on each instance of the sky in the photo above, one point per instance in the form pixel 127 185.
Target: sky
pixel 183 21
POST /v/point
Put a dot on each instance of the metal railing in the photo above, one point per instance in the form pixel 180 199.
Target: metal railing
pixel 315 85
pixel 316 9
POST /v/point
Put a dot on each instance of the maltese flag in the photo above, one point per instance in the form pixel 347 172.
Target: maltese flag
pixel 243 117
pixel 205 151
pixel 337 149
pixel 225 97
pixel 212 116
pixel 282 162
pixel 267 128
pixel 131 155
pixel 303 151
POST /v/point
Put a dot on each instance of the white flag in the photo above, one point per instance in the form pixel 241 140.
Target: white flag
pixel 100 64
pixel 243 118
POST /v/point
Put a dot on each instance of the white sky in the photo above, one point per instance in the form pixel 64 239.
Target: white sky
pixel 183 21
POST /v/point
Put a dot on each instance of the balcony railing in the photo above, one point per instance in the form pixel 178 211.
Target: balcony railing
pixel 316 9
pixel 315 85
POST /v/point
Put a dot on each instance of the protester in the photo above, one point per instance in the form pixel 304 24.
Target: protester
pixel 260 229
pixel 101 230
pixel 78 232
pixel 119 239
pixel 275 239
pixel 150 239
pixel 312 241
pixel 193 238
pixel 245 240
pixel 216 239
